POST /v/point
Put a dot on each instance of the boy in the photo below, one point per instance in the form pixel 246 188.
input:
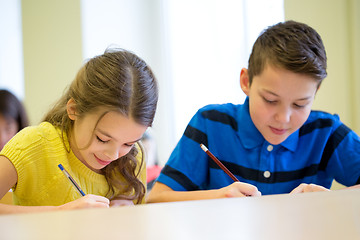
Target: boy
pixel 273 143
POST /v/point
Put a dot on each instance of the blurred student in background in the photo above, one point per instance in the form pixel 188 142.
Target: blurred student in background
pixel 13 116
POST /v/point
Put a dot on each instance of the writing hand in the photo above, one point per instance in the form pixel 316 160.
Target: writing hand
pixel 88 201
pixel 239 189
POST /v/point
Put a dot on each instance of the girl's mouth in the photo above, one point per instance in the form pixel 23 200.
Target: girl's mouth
pixel 104 163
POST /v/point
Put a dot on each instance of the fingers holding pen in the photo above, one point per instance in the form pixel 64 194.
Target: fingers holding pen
pixel 95 201
pixel 237 189
pixel 240 189
pixel 250 190
pixel 88 201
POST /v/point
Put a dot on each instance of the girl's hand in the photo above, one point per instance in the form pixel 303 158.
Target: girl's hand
pixel 121 202
pixel 304 187
pixel 88 201
pixel 239 189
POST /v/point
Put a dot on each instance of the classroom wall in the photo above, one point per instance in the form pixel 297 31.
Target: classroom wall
pixel 52 44
pixel 52 51
pixel 338 23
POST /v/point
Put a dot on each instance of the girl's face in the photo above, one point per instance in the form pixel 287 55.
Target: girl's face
pixel 8 128
pixel 97 145
pixel 279 101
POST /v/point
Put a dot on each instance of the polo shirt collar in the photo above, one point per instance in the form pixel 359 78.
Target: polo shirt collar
pixel 250 137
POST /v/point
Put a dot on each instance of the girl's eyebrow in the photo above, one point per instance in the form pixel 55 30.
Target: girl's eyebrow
pixel 106 134
pixel 135 141
pixel 109 136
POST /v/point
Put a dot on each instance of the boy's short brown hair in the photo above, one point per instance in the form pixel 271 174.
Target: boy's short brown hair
pixel 290 45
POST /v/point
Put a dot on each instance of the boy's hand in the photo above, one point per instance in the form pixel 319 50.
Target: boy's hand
pixel 239 189
pixel 88 201
pixel 303 188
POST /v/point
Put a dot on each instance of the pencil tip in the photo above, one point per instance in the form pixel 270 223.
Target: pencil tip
pixel 203 147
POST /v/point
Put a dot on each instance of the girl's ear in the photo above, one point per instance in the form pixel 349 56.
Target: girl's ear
pixel 71 109
pixel 244 81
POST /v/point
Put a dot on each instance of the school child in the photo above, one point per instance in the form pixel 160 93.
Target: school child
pixel 93 132
pixel 273 143
pixel 13 116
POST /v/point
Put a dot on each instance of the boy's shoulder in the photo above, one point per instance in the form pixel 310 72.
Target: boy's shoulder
pixel 227 114
pixel 321 120
pixel 227 108
pixel 316 115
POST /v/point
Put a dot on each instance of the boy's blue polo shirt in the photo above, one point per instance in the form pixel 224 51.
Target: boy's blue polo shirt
pixel 323 149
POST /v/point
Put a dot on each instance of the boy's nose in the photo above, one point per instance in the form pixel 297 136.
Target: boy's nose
pixel 283 115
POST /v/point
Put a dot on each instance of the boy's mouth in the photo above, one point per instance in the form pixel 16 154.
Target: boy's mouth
pixel 278 131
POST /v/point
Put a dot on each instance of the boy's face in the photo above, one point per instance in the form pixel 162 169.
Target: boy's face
pixel 279 101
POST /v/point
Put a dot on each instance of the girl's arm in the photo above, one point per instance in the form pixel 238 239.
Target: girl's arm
pixel 88 201
pixel 8 179
pixel 162 193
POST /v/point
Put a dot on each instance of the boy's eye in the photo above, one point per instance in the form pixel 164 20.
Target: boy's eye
pixel 299 106
pixel 269 101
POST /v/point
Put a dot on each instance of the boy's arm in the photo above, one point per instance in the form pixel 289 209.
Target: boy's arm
pixel 162 193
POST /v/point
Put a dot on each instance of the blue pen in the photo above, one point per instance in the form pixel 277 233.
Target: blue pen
pixel 67 175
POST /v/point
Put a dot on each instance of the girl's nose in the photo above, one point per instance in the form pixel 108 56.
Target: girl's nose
pixel 114 153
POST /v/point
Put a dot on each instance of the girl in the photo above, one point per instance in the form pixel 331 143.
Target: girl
pixel 94 132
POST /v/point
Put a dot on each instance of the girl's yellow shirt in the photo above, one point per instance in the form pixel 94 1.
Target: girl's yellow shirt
pixel 36 153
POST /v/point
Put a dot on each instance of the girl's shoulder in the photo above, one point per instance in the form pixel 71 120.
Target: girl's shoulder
pixel 34 135
pixel 31 143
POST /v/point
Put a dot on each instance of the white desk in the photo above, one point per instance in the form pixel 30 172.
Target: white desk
pixel 323 215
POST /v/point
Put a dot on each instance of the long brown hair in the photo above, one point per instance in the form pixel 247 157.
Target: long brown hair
pixel 119 81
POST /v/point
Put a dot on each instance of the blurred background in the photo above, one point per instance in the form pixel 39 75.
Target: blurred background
pixel 195 47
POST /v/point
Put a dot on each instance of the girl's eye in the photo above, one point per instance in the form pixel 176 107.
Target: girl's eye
pixel 129 145
pixel 100 140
